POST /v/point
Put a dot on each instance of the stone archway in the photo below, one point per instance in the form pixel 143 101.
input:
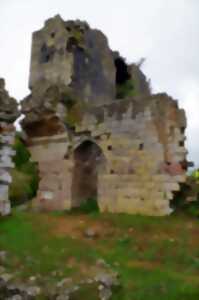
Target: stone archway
pixel 89 161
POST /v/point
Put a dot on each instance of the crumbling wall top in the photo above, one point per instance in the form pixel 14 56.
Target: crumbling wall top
pixel 72 54
pixel 8 106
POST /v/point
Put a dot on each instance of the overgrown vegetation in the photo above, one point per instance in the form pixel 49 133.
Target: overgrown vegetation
pixel 125 89
pixel 187 199
pixel 25 175
pixel 74 114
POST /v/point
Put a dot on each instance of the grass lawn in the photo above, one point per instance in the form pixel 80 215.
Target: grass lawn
pixel 157 258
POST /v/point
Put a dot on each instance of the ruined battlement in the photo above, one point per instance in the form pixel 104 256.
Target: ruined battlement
pixel 72 54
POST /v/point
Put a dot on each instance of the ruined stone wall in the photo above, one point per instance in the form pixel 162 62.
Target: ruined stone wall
pixel 141 84
pixel 144 157
pixel 54 191
pixel 73 101
pixel 8 114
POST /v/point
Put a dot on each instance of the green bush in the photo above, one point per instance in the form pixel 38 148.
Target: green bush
pixel 22 154
pixel 187 199
pixel 125 90
pixel 20 189
pixel 25 175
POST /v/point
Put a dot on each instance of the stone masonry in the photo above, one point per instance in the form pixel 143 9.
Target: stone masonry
pixel 95 128
pixel 8 114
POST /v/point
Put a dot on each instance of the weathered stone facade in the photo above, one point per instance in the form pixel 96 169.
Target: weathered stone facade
pixel 8 114
pixel 96 130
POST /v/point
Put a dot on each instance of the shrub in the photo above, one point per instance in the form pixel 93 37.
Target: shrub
pixel 125 89
pixel 22 154
pixel 25 175
pixel 20 189
pixel 187 199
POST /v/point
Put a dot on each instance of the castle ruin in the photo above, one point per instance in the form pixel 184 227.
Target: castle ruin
pixel 96 130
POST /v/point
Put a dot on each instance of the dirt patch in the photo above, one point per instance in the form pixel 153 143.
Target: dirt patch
pixel 74 226
pixel 147 265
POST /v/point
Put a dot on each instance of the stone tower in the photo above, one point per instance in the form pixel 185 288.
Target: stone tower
pixel 96 130
pixel 72 54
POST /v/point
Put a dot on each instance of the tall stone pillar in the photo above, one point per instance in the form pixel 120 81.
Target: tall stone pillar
pixel 8 114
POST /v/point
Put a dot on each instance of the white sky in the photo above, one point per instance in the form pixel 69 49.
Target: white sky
pixel 166 32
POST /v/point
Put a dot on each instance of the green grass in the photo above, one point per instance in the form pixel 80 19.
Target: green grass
pixel 25 238
pixel 157 258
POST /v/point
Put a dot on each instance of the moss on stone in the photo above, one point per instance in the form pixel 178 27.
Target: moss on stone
pixel 74 114
pixel 78 36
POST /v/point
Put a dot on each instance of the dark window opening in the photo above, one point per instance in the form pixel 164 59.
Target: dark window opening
pixel 46 54
pixel 52 35
pixel 109 147
pixel 184 165
pixel 68 28
pixel 168 163
pixel 89 161
pixel 182 130
pixel 72 43
pixel 123 80
pixel 141 146
pixel 112 172
pixel 181 143
pixel 66 156
pixel 122 74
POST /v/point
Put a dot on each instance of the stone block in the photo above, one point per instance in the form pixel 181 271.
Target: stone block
pixel 5 177
pixel 3 193
pixel 5 208
pixel 7 139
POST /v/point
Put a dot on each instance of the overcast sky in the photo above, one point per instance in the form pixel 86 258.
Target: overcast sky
pixel 166 32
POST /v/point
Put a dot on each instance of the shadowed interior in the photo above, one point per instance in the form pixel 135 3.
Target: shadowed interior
pixel 88 158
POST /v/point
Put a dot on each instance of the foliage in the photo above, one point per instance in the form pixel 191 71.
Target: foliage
pixel 125 90
pixel 20 189
pixel 195 175
pixel 25 175
pixel 75 113
pixel 187 199
pixel 78 36
pixel 22 154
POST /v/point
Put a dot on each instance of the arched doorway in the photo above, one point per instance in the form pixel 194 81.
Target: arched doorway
pixel 89 161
